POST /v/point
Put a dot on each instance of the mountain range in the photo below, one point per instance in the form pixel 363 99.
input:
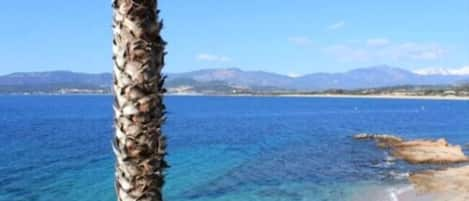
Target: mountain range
pixel 369 77
pixel 228 79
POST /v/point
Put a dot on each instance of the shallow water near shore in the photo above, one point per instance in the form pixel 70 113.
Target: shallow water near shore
pixel 222 148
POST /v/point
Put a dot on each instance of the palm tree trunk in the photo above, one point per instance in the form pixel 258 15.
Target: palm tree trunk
pixel 139 145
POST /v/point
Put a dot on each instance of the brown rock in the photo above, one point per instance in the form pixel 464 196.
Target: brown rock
pixel 418 151
pixel 451 183
pixel 383 140
pixel 427 151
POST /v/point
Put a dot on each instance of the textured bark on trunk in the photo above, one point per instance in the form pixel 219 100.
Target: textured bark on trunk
pixel 139 145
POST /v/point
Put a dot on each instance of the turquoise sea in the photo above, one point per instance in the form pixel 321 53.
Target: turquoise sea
pixel 58 148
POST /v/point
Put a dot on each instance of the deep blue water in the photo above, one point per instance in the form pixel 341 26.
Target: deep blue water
pixel 57 148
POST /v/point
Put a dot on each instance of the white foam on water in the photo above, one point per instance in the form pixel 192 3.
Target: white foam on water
pixel 399 176
pixel 394 192
pixel 389 158
pixel 387 162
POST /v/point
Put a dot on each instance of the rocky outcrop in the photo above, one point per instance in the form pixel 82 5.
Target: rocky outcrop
pixel 426 151
pixel 383 140
pixel 418 151
pixel 451 183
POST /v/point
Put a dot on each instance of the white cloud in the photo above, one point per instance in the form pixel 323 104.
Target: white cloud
pixel 336 25
pixel 300 40
pixel 212 58
pixel 417 51
pixel 443 71
pixel 377 42
pixel 460 71
pixel 294 75
pixel 387 51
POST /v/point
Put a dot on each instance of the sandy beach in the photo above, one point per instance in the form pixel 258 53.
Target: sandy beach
pixel 401 192
pixel 381 97
pixel 460 98
pixel 406 193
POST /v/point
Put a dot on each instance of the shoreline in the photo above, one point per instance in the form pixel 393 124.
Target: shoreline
pixel 460 98
pixel 398 192
pixel 404 97
pixel 456 98
pixel 429 184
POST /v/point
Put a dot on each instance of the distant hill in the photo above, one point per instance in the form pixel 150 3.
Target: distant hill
pixel 55 82
pixel 237 77
pixel 370 77
pixel 53 77
pixel 376 76
pixel 229 80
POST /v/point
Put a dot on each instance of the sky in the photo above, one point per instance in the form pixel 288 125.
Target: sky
pixel 292 37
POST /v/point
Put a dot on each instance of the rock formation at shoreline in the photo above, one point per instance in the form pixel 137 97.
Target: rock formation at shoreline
pixel 451 183
pixel 418 151
pixel 382 140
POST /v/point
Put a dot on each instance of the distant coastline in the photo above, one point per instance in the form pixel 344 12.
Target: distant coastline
pixel 299 95
pixel 381 82
pixel 381 96
pixel 292 95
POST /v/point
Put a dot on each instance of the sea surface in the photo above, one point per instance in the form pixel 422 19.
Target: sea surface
pixel 58 148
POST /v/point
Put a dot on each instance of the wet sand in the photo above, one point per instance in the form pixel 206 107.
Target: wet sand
pixel 401 192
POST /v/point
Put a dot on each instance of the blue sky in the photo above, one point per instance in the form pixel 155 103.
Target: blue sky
pixel 288 37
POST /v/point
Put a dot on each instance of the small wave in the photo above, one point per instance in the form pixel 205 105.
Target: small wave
pixel 389 158
pixel 399 175
pixel 394 192
pixel 385 164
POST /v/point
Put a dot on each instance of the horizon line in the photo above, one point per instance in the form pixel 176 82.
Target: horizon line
pixel 421 71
